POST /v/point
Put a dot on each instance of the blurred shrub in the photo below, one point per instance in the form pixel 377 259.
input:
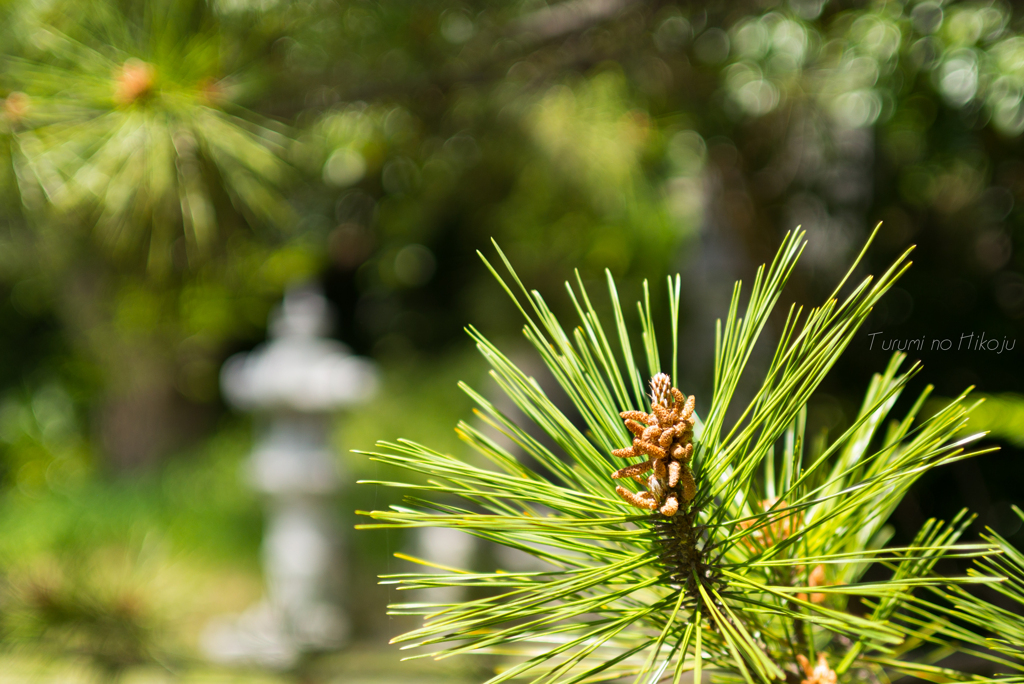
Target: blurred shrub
pixel 1002 416
pixel 123 573
pixel 42 440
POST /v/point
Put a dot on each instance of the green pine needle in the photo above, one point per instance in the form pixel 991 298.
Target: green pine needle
pixel 132 121
pixel 758 569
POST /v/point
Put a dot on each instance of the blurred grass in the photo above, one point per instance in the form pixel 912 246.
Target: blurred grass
pixel 356 666
pixel 126 572
pixel 109 577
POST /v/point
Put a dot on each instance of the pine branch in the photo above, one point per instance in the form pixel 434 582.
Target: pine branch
pixel 744 563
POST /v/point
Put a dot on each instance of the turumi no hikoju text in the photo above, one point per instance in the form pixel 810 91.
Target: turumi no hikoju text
pixel 966 342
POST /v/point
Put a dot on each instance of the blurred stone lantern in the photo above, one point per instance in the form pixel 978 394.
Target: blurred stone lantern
pixel 294 384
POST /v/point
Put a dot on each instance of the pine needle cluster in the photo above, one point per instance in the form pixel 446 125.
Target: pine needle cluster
pixel 743 552
pixel 129 117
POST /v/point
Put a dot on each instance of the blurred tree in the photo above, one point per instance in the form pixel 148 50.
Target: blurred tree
pixel 155 196
pixel 180 161
pixel 747 118
pixel 755 117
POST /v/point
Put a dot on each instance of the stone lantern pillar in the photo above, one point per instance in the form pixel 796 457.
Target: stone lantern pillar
pixel 294 384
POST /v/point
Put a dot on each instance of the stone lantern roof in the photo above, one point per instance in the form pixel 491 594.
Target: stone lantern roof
pixel 298 369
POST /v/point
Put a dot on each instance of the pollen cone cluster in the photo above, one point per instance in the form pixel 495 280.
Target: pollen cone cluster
pixel 818 674
pixel 662 437
pixel 782 523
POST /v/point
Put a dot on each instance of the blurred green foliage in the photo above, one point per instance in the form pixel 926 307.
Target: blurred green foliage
pixel 169 167
pixel 126 573
pixel 1003 417
pixel 122 574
